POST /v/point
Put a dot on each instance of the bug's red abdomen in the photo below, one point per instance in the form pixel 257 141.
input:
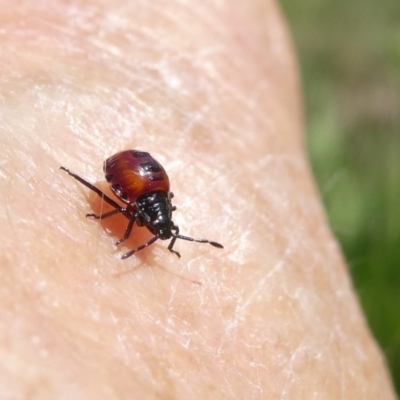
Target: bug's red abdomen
pixel 132 173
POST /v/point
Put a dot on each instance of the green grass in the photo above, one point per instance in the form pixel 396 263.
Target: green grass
pixel 350 59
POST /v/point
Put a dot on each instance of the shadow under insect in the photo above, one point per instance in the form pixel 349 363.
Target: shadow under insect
pixel 115 225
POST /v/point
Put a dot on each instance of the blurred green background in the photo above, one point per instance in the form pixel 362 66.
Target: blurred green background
pixel 349 53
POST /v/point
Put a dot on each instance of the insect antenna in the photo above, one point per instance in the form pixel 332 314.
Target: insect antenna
pixel 190 239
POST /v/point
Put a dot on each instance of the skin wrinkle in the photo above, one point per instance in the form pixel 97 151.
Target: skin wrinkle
pixel 289 373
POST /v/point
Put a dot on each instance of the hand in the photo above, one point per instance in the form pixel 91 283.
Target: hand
pixel 211 90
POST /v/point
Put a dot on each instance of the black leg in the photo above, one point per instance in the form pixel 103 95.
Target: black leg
pixel 107 214
pixel 172 242
pixel 96 190
pixel 130 253
pixel 128 229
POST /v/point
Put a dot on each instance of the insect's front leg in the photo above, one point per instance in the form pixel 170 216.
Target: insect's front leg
pixel 173 240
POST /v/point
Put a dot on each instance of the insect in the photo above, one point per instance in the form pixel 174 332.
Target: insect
pixel 139 181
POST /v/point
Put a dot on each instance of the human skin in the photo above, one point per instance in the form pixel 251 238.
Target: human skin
pixel 211 90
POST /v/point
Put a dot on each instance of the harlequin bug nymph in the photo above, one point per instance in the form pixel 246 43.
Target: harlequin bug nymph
pixel 140 182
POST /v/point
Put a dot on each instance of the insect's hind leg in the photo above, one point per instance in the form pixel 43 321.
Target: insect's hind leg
pixel 107 214
pixel 98 192
pixel 130 253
